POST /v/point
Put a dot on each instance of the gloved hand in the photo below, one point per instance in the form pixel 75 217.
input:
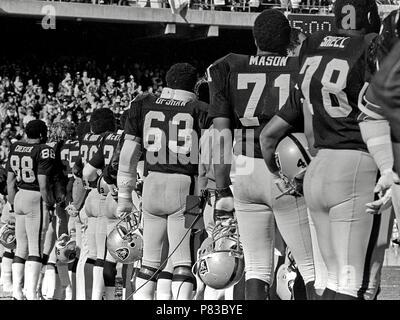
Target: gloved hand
pixel 388 177
pixel 71 210
pixel 125 206
pixel 113 191
pixel 224 205
pixel 287 188
pixel 377 206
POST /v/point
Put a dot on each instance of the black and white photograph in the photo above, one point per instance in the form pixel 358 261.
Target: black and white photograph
pixel 215 152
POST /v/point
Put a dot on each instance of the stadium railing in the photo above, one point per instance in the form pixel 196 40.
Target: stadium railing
pixel 224 5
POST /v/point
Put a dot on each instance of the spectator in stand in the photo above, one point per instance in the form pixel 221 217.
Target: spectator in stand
pixel 29 117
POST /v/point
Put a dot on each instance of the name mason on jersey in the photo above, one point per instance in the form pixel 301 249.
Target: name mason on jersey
pixel 275 61
pixel 23 149
pixel 333 42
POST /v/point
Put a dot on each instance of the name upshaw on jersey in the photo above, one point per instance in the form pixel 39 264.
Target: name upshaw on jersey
pixel 169 130
pixel 249 90
pixel 27 161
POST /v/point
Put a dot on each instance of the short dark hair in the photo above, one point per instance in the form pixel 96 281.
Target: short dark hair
pixel 36 129
pixel 366 11
pixel 181 76
pixel 82 129
pixel 271 31
pixel 102 120
pixel 123 118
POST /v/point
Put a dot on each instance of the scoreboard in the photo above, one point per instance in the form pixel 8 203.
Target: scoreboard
pixel 310 23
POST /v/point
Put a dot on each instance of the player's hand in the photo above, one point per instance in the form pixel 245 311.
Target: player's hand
pixel 125 206
pixel 113 191
pixel 377 206
pixel 11 222
pixel 287 188
pixel 71 210
pixel 224 205
pixel 386 180
pixel 50 207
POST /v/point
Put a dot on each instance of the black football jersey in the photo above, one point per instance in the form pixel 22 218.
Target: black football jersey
pixel 250 90
pixel 169 130
pixel 89 146
pixel 27 161
pixel 106 150
pixel 69 155
pixel 334 69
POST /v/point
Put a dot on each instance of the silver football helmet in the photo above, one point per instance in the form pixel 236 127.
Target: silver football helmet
pixel 125 241
pixel 220 263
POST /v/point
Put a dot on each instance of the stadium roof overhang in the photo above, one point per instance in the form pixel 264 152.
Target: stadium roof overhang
pixel 123 14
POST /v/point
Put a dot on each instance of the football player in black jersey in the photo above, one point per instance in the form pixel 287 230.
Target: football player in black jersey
pixel 100 159
pixel 245 92
pixel 340 179
pixel 101 121
pixel 29 167
pixel 168 129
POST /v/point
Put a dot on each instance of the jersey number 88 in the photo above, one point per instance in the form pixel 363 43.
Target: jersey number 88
pixel 23 168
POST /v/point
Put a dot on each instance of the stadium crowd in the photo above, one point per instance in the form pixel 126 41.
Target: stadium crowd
pixel 60 91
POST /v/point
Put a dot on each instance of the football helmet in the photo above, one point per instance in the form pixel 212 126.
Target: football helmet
pixel 220 263
pixel 292 156
pixel 7 236
pixel 125 241
pixel 65 248
pixel 285 277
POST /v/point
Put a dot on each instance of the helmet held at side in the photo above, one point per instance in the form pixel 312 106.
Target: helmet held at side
pixel 221 263
pixel 7 236
pixel 65 248
pixel 292 156
pixel 125 241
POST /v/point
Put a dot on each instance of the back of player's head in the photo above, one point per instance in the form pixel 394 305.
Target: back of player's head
pixel 123 118
pixel 102 120
pixel 356 15
pixel 61 131
pixel 271 31
pixel 82 129
pixel 36 129
pixel 182 76
pixel 202 91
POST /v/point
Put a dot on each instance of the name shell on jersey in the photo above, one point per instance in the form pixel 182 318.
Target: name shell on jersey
pixel 250 90
pixel 334 69
pixel 170 130
pixel 69 155
pixel 105 151
pixel 27 161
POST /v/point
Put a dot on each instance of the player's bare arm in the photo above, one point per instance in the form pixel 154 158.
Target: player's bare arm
pixel 222 155
pixel 274 131
pixel 127 172
pixel 11 187
pixel 89 172
pixel 45 190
